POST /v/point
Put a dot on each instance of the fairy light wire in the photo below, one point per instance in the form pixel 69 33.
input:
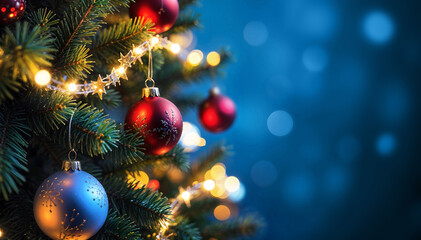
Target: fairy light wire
pixel 72 150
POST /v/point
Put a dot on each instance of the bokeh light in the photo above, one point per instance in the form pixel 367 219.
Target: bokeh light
pixel 336 181
pixel 238 195
pixel 264 173
pixel 213 59
pixel 185 196
pixel 195 57
pixel 218 171
pixel 209 185
pixel 280 123
pixel 222 212
pixel 378 27
pixel 175 48
pixel 232 184
pixel 190 138
pixel 184 39
pixel 140 177
pixel 255 33
pixel 315 58
pixel 317 20
pixel 386 144
pixel 153 185
pixel 42 77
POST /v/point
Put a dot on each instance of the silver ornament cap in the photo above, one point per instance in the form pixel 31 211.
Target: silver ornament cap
pixel 150 92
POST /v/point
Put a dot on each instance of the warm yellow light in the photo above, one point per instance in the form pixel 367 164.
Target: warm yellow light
pixel 208 175
pixel 175 48
pixel 138 50
pixel 202 142
pixel 195 57
pixel 1 233
pixel 185 196
pixel 217 191
pixel 120 71
pixel 72 87
pixel 43 77
pixel 140 177
pixel 209 185
pixel 222 212
pixel 154 40
pixel 218 171
pixel 213 59
pixel 232 184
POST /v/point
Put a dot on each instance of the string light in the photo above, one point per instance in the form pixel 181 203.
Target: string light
pixel 42 77
pixel 218 171
pixel 175 48
pixel 1 233
pixel 209 185
pixel 213 59
pixel 186 196
pixel 195 57
pixel 154 41
pixel 72 87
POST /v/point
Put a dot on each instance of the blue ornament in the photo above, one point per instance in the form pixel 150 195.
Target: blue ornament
pixel 70 204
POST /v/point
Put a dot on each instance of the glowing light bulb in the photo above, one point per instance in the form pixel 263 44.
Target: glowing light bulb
pixel 138 50
pixel 222 212
pixel 154 40
pixel 1 233
pixel 213 59
pixel 120 71
pixel 209 185
pixel 185 196
pixel 175 48
pixel 43 77
pixel 232 184
pixel 195 57
pixel 72 87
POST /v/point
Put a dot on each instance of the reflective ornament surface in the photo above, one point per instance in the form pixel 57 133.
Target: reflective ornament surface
pixel 70 204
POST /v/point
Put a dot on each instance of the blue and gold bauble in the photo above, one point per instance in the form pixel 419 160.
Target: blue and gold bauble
pixel 70 204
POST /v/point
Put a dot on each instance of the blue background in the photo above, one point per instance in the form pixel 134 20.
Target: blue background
pixel 345 76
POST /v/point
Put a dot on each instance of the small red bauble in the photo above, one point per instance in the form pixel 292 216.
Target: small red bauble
pixel 158 120
pixel 217 112
pixel 163 13
pixel 11 11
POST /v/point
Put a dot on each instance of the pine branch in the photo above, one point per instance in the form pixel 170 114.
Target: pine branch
pixel 17 218
pixel 44 19
pixel 146 207
pixel 118 227
pixel 47 110
pixel 182 229
pixel 185 21
pixel 74 64
pixel 200 207
pixel 110 100
pixel 120 38
pixel 240 227
pixel 127 153
pixel 13 163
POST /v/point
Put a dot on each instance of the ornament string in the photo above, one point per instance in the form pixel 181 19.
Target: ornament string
pixel 150 68
pixel 72 150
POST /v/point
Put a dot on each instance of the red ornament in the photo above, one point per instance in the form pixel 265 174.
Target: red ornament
pixel 11 11
pixel 158 120
pixel 163 13
pixel 217 112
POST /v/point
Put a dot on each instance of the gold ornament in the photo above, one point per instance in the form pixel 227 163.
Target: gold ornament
pixel 99 87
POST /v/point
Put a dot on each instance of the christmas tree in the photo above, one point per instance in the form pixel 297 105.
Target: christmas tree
pixel 64 65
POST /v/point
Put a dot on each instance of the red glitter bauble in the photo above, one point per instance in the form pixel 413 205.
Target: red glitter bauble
pixel 163 13
pixel 217 112
pixel 158 120
pixel 11 11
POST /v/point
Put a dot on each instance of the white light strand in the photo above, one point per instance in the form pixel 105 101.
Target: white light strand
pixel 184 196
pixel 116 74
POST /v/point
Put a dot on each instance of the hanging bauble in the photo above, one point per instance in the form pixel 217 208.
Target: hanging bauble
pixel 163 13
pixel 157 119
pixel 217 112
pixel 11 11
pixel 70 204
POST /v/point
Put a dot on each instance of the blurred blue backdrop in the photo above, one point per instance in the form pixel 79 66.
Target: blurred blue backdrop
pixel 327 129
